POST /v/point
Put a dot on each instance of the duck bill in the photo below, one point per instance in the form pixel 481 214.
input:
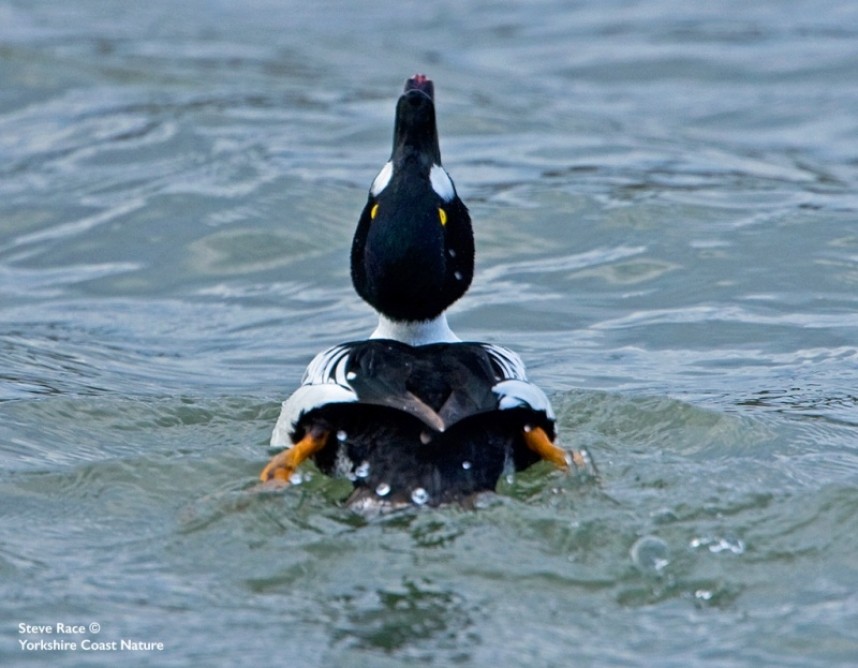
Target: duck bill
pixel 415 132
pixel 422 83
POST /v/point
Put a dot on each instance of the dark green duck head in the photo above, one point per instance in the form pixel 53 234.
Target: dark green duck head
pixel 413 251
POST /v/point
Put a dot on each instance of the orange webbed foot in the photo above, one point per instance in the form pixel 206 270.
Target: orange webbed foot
pixel 537 440
pixel 279 471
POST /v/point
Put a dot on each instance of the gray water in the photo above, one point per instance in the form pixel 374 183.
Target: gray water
pixel 664 198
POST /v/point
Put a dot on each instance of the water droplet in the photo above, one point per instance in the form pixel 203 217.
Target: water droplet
pixel 296 478
pixel 510 478
pixel 650 554
pixel 528 427
pixel 362 471
pixel 716 544
pixel 451 252
pixel 457 275
pixel 703 595
pixel 425 437
pixel 351 375
pixel 664 516
pixel 729 543
pixel 466 465
pixel 419 496
pixel 342 435
pixel 383 489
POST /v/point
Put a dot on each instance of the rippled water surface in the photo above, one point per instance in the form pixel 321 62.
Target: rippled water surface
pixel 664 197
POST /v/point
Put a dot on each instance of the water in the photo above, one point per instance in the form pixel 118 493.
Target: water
pixel 665 208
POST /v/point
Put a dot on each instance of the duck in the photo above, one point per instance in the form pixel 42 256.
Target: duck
pixel 413 415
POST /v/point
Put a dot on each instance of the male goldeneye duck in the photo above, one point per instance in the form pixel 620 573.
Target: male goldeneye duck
pixel 413 415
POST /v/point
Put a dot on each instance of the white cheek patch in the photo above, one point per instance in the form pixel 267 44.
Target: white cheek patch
pixel 381 180
pixel 441 183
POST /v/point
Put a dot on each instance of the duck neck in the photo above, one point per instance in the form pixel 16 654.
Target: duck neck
pixel 417 333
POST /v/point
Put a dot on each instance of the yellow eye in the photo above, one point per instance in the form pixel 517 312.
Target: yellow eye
pixel 442 215
pixel 373 212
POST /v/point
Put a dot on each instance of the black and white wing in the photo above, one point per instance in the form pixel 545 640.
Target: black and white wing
pixel 326 381
pixel 439 384
pixel 512 388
